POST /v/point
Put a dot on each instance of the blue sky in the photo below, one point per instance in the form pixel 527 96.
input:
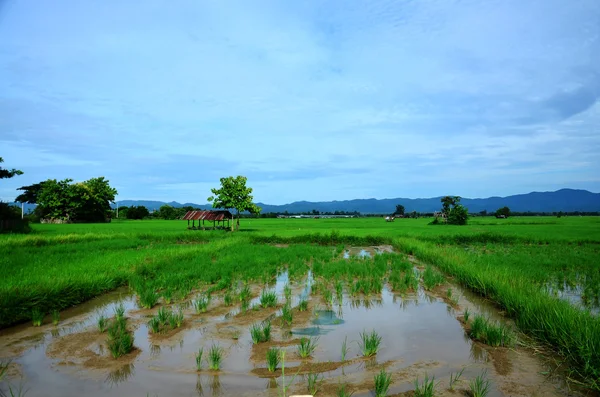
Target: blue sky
pixel 312 100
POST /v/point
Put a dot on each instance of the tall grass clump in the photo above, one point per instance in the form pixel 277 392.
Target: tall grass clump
pixel 307 346
pixel 425 388
pixel 272 359
pixel 120 340
pixel 148 298
pixel 492 334
pixel 228 299
pixel 165 319
pixel 268 299
pixel 37 317
pixel 480 386
pixel 201 304
pixel 369 344
pixel 215 357
pixel 55 317
pixel 431 278
pixel 286 315
pixel 120 311
pixel 261 332
pixel 102 323
pixel 244 294
pixel 303 305
pixel 383 380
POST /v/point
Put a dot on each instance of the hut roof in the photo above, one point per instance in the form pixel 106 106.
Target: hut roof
pixel 207 215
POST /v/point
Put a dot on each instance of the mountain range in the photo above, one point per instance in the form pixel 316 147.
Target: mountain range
pixel 566 200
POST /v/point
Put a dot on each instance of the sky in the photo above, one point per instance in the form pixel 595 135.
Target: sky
pixel 311 100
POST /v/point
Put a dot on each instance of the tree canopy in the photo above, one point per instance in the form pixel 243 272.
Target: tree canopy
pixel 234 194
pixel 87 201
pixel 456 214
pixel 6 173
pixel 399 210
pixel 503 212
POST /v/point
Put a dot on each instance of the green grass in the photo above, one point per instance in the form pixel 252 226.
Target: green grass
pixel 55 317
pixel 425 388
pixel 102 323
pixel 268 299
pixel 286 315
pixel 490 333
pixel 455 378
pixel 431 278
pixel 344 349
pixel 201 304
pixel 521 264
pixel 313 381
pixel 148 298
pixel 287 292
pixel 307 346
pixel 120 340
pixel 261 332
pixel 369 343
pixel 480 386
pixel 37 317
pixel 383 380
pixel 466 315
pixel 215 357
pixel 199 359
pixel 303 305
pixel 273 357
pixel 342 392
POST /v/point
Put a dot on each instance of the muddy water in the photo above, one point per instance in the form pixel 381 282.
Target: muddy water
pixel 421 335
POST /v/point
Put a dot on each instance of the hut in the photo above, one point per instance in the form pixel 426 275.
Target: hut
pixel 218 219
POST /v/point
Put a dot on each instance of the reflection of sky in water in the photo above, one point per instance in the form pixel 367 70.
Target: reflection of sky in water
pixel 578 291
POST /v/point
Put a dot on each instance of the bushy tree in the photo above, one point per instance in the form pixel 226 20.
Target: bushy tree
pixel 399 210
pixel 234 194
pixel 9 212
pixel 6 173
pixel 503 212
pixel 139 212
pixel 455 213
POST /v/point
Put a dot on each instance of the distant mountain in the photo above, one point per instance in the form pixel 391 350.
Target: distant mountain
pixel 567 200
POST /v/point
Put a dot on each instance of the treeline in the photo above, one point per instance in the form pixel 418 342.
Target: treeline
pixel 140 212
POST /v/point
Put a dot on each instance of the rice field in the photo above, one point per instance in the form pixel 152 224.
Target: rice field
pixel 326 306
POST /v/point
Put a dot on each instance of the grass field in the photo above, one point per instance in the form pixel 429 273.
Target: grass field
pixel 528 266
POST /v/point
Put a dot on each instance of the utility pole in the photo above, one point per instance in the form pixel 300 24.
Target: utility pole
pixel 22 210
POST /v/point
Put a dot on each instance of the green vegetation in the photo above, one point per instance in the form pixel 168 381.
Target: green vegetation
pixel 233 194
pixel 307 346
pixel 344 349
pixel 286 315
pixel 199 359
pixel 313 381
pixel 55 317
pixel 455 378
pixel 268 299
pixel 431 278
pixel 37 317
pixel 201 304
pixel 523 264
pixel 261 332
pixel 215 357
pixel 102 323
pixel 272 359
pixel 383 380
pixel 425 388
pixel 165 319
pixel 493 334
pixel 148 298
pixel 369 344
pixel 342 392
pixel 466 315
pixel 303 305
pixel 480 386
pixel 120 340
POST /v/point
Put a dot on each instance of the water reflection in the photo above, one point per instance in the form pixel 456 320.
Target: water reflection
pixel 154 351
pixel 478 354
pixel 215 386
pixel 199 389
pixel 120 375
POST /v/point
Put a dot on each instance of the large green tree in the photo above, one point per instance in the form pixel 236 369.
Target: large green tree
pixel 456 213
pixel 234 194
pixel 503 212
pixel 87 201
pixel 399 210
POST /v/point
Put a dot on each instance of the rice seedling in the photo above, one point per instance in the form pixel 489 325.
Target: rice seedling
pixel 120 341
pixel 431 278
pixel 154 324
pixel 383 380
pixel 167 295
pixel 449 293
pixel 120 311
pixel 267 331
pixel 199 358
pixel 342 392
pixel 339 290
pixel 480 386
pixel 328 297
pixel 236 334
pixel 455 378
pixel 303 305
pixel 148 298
pixel 55 317
pixel 37 317
pixel 244 294
pixel 370 343
pixel 245 306
pixel 426 388
pixel 102 323
pixel 287 292
pixel 466 315
pixel 176 319
pixel 492 334
pixel 163 315
pixel 228 299
pixel 261 333
pixel 268 299
pixel 307 346
pixel 272 359
pixel 344 349
pixel 215 357
pixel 313 380
pixel 201 304
pixel 286 315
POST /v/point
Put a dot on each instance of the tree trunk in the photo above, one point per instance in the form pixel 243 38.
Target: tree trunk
pixel 237 226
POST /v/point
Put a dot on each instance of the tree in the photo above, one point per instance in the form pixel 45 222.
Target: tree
pixel 503 212
pixel 139 212
pixel 233 194
pixel 167 212
pixel 399 210
pixel 6 173
pixel 87 201
pixel 455 213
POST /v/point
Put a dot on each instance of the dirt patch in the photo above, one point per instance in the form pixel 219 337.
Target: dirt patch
pixel 13 371
pixel 281 245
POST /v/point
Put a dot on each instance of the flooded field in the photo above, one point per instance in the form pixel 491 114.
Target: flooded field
pixel 422 334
